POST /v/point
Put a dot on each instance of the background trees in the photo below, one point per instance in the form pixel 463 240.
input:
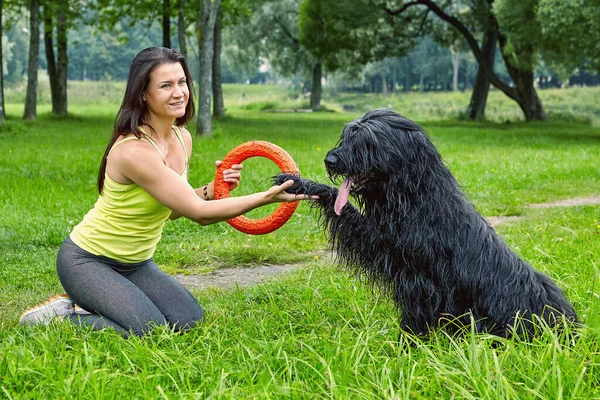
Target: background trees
pixel 346 36
pixel 2 113
pixel 268 38
pixel 57 15
pixel 571 33
pixel 33 62
pixel 359 45
pixel 208 16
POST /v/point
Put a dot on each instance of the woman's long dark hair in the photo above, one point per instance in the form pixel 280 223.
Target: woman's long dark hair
pixel 133 109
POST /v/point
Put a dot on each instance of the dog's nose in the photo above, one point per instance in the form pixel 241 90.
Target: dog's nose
pixel 331 160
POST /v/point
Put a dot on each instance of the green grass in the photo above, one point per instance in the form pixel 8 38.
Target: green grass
pixel 317 332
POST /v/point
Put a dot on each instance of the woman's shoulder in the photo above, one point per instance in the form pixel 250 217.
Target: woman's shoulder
pixel 131 145
pixel 184 132
pixel 186 136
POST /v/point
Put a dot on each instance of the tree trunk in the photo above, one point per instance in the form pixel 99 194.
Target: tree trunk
pixel 525 94
pixel 528 98
pixel 2 112
pixel 479 95
pixel 407 76
pixel 166 23
pixel 208 16
pixel 218 104
pixel 50 60
pixel 62 60
pixel 383 84
pixel 394 83
pixel 181 29
pixel 315 93
pixel 32 65
pixel 455 68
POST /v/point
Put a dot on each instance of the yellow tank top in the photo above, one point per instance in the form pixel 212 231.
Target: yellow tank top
pixel 126 222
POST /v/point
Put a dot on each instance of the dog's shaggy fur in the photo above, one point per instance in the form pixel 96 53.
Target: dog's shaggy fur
pixel 415 235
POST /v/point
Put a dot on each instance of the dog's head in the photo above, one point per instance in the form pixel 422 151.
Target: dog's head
pixel 375 151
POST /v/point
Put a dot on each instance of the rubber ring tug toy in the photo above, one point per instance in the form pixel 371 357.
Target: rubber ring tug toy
pixel 285 163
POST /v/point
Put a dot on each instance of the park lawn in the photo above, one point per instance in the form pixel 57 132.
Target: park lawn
pixel 317 332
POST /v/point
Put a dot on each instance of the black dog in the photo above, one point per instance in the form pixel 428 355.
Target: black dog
pixel 415 235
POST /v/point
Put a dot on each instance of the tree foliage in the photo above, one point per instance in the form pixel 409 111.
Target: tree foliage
pixel 381 44
pixel 349 34
pixel 517 22
pixel 571 33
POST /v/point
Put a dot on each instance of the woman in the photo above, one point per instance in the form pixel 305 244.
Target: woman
pixel 106 265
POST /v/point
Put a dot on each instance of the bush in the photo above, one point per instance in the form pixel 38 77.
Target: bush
pixel 261 106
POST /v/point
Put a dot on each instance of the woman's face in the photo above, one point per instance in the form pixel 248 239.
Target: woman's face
pixel 167 93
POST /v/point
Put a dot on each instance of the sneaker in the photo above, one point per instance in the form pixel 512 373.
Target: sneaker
pixel 42 314
pixel 81 311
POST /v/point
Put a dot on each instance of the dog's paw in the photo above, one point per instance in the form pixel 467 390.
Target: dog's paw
pixel 296 188
pixel 306 186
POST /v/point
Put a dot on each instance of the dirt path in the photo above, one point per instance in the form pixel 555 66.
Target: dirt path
pixel 572 202
pixel 244 277
pixel 232 277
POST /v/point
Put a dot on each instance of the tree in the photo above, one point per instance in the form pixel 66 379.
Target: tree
pixel 571 33
pixel 481 88
pixel 30 112
pixel 98 55
pixel 110 14
pixel 477 17
pixel 208 16
pixel 181 25
pixel 347 36
pixel 166 23
pixel 218 103
pixel 57 12
pixel 521 73
pixel 2 112
pixel 379 74
pixel 311 18
pixel 269 35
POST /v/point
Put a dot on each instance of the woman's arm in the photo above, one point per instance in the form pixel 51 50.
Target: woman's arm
pixel 207 192
pixel 143 165
pixel 199 192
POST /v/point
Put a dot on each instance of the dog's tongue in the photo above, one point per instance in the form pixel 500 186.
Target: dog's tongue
pixel 342 197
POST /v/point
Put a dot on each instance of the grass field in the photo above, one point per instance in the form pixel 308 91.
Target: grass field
pixel 317 332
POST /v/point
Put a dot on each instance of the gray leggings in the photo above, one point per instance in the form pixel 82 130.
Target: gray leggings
pixel 131 298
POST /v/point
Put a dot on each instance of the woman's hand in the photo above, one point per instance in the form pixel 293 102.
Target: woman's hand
pixel 233 176
pixel 277 194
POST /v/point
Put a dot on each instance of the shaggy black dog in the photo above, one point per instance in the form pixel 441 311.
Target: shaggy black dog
pixel 415 235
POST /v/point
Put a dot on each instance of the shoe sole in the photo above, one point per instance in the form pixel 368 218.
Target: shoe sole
pixel 56 306
pixel 81 311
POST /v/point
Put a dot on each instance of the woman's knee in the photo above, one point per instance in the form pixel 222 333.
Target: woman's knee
pixel 187 318
pixel 141 327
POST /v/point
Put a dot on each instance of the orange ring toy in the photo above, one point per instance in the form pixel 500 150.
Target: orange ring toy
pixel 285 163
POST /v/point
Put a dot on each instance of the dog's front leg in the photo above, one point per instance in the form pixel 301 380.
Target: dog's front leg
pixel 304 186
pixel 342 227
pixel 326 201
